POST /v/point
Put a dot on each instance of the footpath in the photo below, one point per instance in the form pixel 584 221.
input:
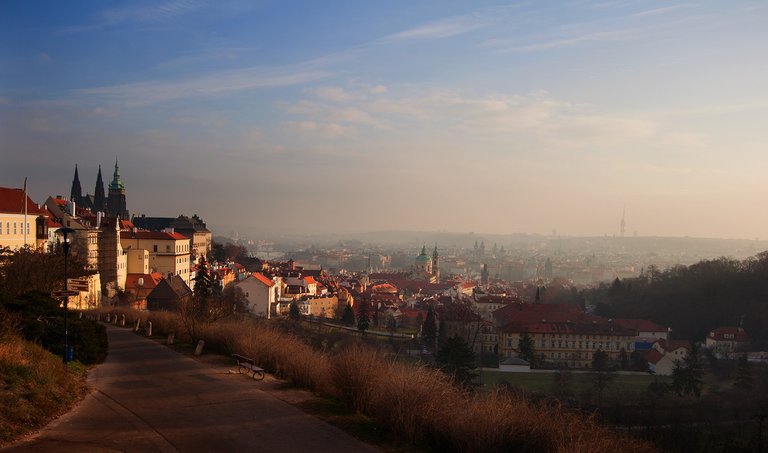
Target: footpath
pixel 148 398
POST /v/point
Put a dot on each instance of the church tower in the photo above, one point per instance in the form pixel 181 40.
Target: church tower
pixel 116 206
pixel 436 264
pixel 76 194
pixel 99 203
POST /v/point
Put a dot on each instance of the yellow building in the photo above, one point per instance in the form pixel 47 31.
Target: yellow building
pixel 18 229
pixel 168 252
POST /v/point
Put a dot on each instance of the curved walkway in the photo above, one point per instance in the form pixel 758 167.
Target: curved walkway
pixel 148 397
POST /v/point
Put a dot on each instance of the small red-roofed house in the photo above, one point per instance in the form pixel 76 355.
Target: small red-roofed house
pixel 138 287
pixel 261 294
pixel 726 340
pixel 664 353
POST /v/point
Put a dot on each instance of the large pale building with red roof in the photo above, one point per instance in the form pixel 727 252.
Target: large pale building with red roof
pixel 563 335
pixel 168 252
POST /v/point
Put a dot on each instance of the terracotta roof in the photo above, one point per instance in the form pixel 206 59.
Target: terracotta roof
pixel 640 325
pixel 384 288
pixel 673 345
pixel 596 327
pixel 12 202
pixel 263 279
pixel 152 235
pixel 150 280
pixel 730 333
pixel 310 280
pixel 653 356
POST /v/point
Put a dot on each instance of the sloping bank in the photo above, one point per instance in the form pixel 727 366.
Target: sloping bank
pixel 35 387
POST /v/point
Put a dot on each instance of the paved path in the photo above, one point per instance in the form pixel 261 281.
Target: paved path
pixel 148 397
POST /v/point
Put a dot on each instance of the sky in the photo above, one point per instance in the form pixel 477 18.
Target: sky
pixel 329 116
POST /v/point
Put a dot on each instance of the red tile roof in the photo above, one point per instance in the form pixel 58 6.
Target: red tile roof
pixel 730 333
pixel 263 279
pixel 653 356
pixel 673 345
pixel 152 235
pixel 12 202
pixel 150 280
pixel 310 280
pixel 640 325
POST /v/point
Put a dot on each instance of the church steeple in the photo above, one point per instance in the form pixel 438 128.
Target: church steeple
pixel 116 205
pixel 76 194
pixel 116 184
pixel 99 202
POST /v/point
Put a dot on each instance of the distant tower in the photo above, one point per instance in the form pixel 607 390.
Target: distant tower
pixel 484 275
pixel 623 226
pixel 116 206
pixel 76 194
pixel 436 264
pixel 99 203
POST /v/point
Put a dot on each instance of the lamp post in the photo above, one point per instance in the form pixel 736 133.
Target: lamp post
pixel 68 234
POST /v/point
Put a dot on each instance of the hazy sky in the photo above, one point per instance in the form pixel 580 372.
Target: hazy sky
pixel 424 115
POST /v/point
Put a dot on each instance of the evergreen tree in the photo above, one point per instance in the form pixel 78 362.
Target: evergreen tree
pixel 687 375
pixel 525 348
pixel 429 329
pixel 203 283
pixel 294 312
pixel 391 322
pixel 376 314
pixel 456 359
pixel 601 374
pixel 363 319
pixel 623 359
pixel 442 333
pixel 744 377
pixel 348 317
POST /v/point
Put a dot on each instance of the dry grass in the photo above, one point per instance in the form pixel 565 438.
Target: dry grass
pixel 414 404
pixel 34 387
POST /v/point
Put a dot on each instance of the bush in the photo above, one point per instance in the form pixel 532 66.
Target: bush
pixel 41 321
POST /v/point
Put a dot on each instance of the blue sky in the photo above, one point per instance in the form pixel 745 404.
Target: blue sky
pixel 357 116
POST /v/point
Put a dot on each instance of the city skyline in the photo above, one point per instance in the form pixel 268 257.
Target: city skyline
pixel 309 117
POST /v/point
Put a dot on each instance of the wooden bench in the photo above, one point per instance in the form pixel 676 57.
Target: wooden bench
pixel 248 366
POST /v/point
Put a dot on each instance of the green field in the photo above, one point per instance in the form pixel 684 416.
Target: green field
pixel 543 382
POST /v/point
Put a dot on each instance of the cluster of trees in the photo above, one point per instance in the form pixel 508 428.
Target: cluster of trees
pixel 27 278
pixel 693 299
pixel 209 302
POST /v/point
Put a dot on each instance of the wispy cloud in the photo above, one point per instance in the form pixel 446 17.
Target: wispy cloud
pixel 657 11
pixel 218 83
pixel 325 130
pixel 438 29
pixel 144 14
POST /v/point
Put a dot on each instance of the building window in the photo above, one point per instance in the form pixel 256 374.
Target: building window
pixel 14 228
pixel 154 248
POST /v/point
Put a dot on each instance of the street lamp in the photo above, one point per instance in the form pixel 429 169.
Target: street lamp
pixel 68 234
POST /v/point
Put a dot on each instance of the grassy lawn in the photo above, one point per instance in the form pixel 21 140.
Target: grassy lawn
pixel 543 382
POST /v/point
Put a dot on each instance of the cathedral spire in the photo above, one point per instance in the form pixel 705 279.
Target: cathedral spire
pixel 77 192
pixel 434 252
pixel 99 202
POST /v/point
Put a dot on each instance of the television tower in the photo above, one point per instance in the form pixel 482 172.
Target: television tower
pixel 623 226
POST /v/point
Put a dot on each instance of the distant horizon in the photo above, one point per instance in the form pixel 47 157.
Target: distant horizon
pixel 216 231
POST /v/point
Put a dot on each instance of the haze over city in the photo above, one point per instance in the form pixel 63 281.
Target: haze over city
pixel 321 117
